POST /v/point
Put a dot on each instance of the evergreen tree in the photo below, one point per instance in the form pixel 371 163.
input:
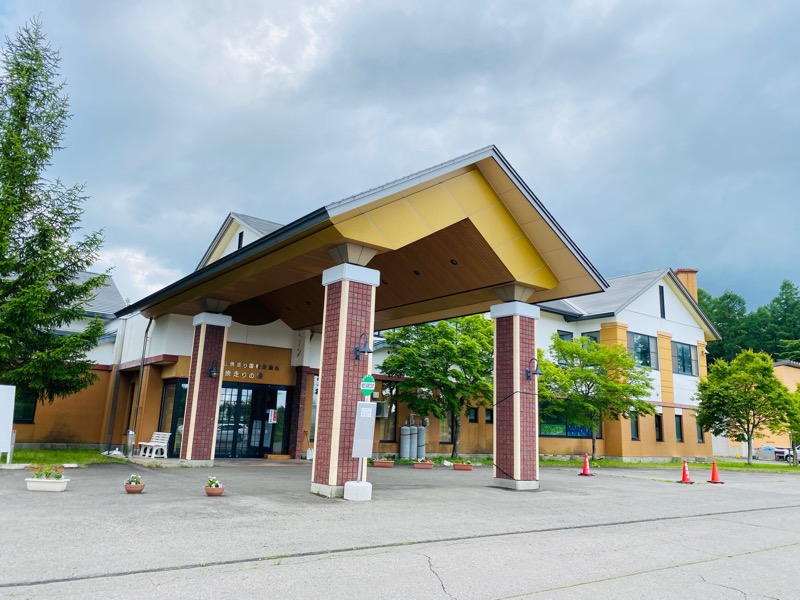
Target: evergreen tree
pixel 728 312
pixel 40 292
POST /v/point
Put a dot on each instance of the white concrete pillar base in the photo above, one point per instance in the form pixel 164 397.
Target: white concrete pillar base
pixel 514 484
pixel 328 491
pixel 358 491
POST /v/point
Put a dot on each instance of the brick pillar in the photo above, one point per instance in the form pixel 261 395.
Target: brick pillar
pixel 516 419
pixel 349 313
pixel 202 397
pixel 297 435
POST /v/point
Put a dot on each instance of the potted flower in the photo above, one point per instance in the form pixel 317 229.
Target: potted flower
pixel 214 487
pixel 47 478
pixel 133 484
pixel 463 465
pixel 423 463
pixel 383 463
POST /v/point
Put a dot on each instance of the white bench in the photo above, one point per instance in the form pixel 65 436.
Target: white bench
pixel 157 446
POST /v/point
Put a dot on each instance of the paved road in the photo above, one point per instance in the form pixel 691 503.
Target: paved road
pixel 426 534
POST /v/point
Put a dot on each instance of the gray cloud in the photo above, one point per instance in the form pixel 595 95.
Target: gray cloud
pixel 658 134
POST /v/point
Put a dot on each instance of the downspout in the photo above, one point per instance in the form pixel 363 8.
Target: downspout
pixel 119 343
pixel 141 375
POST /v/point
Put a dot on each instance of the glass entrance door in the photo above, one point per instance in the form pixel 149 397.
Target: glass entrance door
pixel 252 421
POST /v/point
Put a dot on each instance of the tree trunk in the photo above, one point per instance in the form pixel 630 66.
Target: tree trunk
pixel 594 444
pixel 456 434
pixel 750 448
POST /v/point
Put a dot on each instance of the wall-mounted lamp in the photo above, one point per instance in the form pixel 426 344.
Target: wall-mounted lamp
pixel 213 372
pixel 535 371
pixel 362 347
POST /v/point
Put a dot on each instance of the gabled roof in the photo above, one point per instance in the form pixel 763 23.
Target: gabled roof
pixel 259 228
pixel 107 299
pixel 447 242
pixel 621 292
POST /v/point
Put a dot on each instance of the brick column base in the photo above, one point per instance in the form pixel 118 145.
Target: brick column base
pixel 202 397
pixel 516 419
pixel 348 322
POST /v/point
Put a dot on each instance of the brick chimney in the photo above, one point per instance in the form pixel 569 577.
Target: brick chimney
pixel 688 278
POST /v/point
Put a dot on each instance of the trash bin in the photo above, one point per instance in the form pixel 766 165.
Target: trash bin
pixel 129 443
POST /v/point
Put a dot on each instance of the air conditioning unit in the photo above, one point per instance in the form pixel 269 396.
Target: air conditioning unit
pixel 382 410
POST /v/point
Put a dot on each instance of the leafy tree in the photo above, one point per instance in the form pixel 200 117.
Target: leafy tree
pixel 587 383
pixel 742 396
pixel 40 263
pixel 446 366
pixel 793 422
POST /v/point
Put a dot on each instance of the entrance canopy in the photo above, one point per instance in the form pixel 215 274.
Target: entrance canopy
pixel 448 241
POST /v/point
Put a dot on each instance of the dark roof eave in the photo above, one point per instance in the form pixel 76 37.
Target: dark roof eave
pixel 226 262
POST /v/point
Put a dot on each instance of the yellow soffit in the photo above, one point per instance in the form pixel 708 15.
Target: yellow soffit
pixel 408 218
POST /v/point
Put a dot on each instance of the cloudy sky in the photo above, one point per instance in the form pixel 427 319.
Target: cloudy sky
pixel 657 133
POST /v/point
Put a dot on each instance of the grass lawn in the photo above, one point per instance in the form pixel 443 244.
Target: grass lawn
pixel 722 465
pixel 60 457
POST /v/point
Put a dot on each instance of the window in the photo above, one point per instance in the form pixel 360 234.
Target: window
pixel 592 335
pixel 684 359
pixel 446 430
pixel 567 337
pixel 679 427
pixel 240 241
pixel 472 414
pixel 644 349
pixel 561 427
pixel 24 406
pixel 489 417
pixel 634 426
pixel 700 439
pixel 659 428
pixel 661 301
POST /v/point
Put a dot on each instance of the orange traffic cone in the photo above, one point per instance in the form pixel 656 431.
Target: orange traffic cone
pixel 586 472
pixel 714 473
pixel 685 474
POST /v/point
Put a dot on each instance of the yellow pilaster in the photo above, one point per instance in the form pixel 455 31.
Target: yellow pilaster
pixel 702 362
pixel 665 366
pixel 614 333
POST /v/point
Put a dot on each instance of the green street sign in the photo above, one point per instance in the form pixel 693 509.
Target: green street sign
pixel 367 385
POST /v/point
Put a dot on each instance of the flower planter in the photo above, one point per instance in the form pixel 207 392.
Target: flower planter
pixel 134 488
pixel 214 491
pixel 461 467
pixel 383 464
pixel 46 485
pixel 423 465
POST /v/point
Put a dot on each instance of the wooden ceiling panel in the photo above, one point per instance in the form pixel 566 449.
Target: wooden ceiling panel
pixel 441 272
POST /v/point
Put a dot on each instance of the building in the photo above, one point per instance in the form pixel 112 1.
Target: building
pixel 460 238
pixel 656 316
pixel 253 353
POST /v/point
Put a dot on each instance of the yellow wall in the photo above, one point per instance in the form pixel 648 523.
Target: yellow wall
pixel 74 420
